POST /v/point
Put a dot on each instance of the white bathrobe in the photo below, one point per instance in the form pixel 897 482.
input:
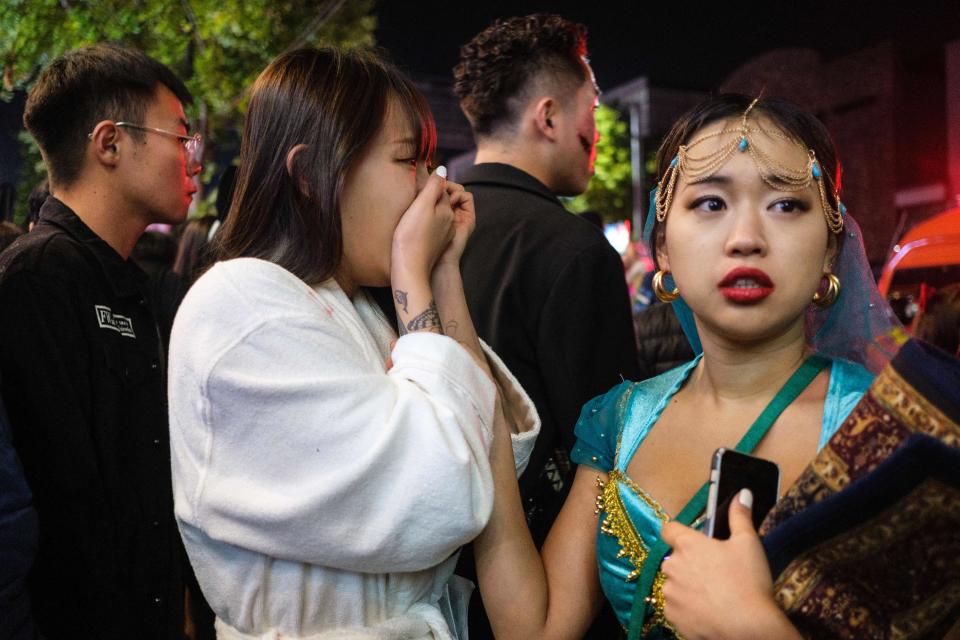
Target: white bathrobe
pixel 320 495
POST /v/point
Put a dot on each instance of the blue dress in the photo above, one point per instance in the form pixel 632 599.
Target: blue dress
pixel 611 428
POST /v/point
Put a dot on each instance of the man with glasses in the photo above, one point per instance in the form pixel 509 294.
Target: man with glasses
pixel 86 393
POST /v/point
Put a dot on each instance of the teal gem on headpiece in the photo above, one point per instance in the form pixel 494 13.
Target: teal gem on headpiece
pixel 843 209
pixel 743 144
pixel 816 170
pixel 675 160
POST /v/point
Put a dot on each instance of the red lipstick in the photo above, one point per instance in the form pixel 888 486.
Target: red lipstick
pixel 746 286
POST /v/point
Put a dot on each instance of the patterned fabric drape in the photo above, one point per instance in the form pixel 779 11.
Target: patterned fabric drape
pixel 866 543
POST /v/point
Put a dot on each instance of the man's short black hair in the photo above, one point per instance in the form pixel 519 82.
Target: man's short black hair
pixel 507 58
pixel 83 87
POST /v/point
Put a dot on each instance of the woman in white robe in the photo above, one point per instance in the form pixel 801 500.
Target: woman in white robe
pixel 325 471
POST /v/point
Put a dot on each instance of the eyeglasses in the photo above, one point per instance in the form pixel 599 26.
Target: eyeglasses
pixel 192 144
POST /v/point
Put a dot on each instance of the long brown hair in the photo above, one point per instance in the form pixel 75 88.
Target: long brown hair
pixel 334 102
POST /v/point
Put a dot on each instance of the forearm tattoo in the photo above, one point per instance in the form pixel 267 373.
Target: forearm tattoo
pixel 426 320
pixel 401 298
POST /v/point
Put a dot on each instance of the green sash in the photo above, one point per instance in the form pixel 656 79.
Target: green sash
pixel 799 381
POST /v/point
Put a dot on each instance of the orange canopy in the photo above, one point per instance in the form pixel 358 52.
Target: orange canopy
pixel 933 242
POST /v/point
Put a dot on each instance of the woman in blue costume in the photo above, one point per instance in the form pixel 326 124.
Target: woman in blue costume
pixel 767 273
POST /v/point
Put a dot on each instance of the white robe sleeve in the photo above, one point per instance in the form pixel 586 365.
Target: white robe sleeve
pixel 294 447
pixel 520 408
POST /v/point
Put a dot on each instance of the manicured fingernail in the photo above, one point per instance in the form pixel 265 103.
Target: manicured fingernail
pixel 746 498
pixel 441 171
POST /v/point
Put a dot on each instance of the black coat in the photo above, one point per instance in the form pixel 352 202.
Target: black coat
pixel 661 342
pixel 83 380
pixel 547 292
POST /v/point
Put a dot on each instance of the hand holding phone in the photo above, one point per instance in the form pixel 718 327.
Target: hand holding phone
pixel 731 471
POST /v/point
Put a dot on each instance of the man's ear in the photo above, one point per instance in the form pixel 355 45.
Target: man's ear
pixel 544 113
pixel 104 140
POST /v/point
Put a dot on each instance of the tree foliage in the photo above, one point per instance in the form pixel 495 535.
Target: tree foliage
pixel 610 192
pixel 216 46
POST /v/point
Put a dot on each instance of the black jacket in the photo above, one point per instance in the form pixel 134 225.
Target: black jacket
pixel 82 362
pixel 661 342
pixel 547 292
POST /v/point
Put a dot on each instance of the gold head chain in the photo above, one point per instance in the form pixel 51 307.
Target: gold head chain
pixel 774 174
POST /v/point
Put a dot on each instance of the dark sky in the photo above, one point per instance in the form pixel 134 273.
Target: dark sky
pixel 676 43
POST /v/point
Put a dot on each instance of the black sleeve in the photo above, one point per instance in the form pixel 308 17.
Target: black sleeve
pixel 586 343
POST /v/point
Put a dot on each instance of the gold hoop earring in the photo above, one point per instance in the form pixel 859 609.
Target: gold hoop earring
pixel 831 294
pixel 662 294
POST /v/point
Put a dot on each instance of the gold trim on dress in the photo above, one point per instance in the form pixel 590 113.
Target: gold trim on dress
pixel 617 523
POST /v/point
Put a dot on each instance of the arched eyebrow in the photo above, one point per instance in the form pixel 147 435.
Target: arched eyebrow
pixel 717 178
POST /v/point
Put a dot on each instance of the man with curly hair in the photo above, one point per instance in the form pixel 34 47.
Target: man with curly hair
pixel 545 288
